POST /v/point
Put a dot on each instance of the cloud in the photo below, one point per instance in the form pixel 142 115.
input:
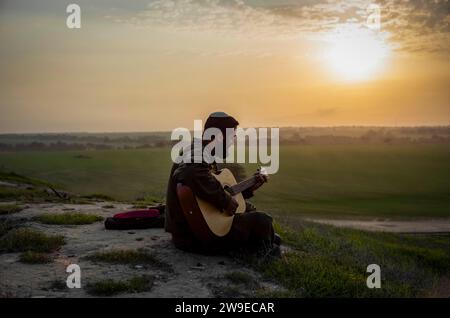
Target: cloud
pixel 419 25
pixel 232 16
pixel 413 25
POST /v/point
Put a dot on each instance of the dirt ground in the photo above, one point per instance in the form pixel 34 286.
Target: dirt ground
pixel 192 275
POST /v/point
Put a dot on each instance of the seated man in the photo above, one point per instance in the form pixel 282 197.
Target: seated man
pixel 250 230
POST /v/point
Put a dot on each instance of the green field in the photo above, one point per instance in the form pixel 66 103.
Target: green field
pixel 315 180
pixel 355 181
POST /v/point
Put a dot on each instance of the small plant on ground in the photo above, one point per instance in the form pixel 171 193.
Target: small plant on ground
pixel 242 278
pixel 5 226
pixel 57 285
pixel 131 257
pixel 10 209
pixel 27 239
pixel 99 197
pixel 110 287
pixel 70 218
pixel 30 257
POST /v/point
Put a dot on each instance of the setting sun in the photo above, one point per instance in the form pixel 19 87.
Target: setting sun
pixel 355 53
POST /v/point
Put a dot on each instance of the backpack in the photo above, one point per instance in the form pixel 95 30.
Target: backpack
pixel 152 217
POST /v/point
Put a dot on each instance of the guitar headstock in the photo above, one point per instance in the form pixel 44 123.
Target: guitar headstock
pixel 262 172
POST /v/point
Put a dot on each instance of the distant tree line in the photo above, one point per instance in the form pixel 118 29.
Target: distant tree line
pixel 288 136
pixel 64 146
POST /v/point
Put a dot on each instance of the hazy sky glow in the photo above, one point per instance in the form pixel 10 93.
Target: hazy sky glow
pixel 156 65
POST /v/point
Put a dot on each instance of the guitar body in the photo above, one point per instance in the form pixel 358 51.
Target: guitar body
pixel 205 220
pixel 218 222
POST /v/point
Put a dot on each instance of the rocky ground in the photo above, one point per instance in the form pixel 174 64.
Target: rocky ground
pixel 165 271
pixel 185 275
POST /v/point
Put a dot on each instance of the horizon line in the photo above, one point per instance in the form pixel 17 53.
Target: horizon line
pixel 168 131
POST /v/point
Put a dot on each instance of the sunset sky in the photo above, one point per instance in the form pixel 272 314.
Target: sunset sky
pixel 156 65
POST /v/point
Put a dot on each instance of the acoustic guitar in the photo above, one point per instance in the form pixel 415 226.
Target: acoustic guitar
pixel 205 219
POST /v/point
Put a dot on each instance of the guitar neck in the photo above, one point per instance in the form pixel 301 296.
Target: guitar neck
pixel 242 186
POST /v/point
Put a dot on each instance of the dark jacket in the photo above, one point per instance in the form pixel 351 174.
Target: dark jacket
pixel 198 177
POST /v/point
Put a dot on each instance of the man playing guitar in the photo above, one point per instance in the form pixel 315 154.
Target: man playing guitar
pixel 252 230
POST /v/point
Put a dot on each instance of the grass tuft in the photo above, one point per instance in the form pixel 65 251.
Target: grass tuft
pixel 30 257
pixel 10 209
pixel 5 226
pixel 71 218
pixel 130 257
pixel 57 285
pixel 99 197
pixel 147 200
pixel 110 287
pixel 26 239
pixel 242 278
pixel 237 284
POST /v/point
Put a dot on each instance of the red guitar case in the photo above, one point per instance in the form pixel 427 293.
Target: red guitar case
pixel 152 217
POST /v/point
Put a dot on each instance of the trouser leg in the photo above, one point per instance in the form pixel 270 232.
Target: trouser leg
pixel 252 230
